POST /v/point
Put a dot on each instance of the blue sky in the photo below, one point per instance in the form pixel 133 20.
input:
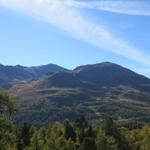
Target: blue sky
pixel 72 33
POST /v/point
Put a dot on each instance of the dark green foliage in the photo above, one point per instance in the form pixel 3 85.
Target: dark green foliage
pixel 77 135
pixel 89 132
pixel 8 104
pixel 69 136
pixel 104 142
pixel 7 135
pixel 81 122
pixel 69 132
pixel 88 144
pixel 108 126
pixel 26 134
pixel 111 130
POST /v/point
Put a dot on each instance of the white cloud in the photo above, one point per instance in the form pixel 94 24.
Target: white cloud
pixel 129 7
pixel 58 13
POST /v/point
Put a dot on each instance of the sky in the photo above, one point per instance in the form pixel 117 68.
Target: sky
pixel 71 33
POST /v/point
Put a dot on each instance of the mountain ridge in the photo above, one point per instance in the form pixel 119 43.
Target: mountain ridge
pixel 94 90
pixel 10 74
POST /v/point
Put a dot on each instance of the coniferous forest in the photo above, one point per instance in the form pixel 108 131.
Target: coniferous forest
pixel 79 134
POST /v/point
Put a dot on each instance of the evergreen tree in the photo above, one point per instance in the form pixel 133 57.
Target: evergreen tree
pixel 89 132
pixel 88 144
pixel 69 132
pixel 104 142
pixel 145 142
pixel 7 131
pixel 26 134
pixel 108 126
pixel 81 122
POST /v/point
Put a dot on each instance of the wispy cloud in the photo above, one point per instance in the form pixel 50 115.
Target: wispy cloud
pixel 129 7
pixel 59 13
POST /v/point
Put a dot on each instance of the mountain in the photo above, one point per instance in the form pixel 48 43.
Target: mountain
pixel 11 74
pixel 94 90
pixel 110 75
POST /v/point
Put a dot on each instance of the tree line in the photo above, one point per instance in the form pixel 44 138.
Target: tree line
pixel 67 135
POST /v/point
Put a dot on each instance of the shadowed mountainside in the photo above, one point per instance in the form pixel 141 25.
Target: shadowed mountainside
pixel 11 74
pixel 94 90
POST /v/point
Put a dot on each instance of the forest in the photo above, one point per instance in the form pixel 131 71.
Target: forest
pixel 79 134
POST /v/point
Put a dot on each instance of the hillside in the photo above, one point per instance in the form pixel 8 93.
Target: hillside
pixel 11 74
pixel 94 90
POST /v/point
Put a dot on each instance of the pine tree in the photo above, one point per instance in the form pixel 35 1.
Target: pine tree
pixel 8 106
pixel 26 134
pixel 69 132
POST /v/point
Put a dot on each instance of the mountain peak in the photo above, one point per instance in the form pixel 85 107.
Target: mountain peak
pixel 95 66
pixel 109 74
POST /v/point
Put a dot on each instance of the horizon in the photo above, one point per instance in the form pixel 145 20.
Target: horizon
pixel 73 33
pixel 71 69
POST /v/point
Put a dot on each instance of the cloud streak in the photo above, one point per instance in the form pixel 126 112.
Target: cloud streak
pixel 129 7
pixel 60 14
